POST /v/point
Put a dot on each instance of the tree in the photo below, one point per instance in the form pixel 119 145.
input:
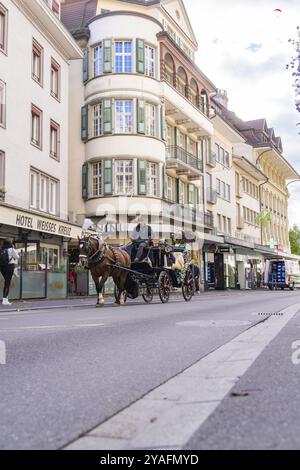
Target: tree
pixel 294 65
pixel 263 218
pixel 295 240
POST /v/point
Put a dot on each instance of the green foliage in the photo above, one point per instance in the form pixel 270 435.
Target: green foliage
pixel 263 218
pixel 295 240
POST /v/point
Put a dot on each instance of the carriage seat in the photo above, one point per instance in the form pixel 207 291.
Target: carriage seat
pixel 179 263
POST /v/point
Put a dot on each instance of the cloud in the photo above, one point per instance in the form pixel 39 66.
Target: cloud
pixel 253 47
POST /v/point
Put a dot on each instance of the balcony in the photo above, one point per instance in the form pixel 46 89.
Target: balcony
pixel 209 219
pixel 211 196
pixel 183 213
pixel 211 159
pixel 184 162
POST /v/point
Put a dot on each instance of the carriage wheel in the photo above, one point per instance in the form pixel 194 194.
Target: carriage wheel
pixel 116 294
pixel 164 287
pixel 188 287
pixel 148 295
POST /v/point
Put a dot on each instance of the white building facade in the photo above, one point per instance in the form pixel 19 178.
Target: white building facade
pixel 35 53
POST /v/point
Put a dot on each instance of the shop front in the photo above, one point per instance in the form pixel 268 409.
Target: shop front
pixel 42 245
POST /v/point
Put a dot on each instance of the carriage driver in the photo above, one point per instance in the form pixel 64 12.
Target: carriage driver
pixel 141 236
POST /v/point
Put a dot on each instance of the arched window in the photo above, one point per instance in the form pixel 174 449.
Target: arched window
pixel 182 83
pixel 169 69
pixel 194 93
pixel 204 102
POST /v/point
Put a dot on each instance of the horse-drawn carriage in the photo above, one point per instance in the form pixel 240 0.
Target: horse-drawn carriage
pixel 162 269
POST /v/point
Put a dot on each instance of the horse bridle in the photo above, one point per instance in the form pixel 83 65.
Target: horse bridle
pixel 101 252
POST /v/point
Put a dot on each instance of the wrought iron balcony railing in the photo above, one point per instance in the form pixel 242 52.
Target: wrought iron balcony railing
pixel 180 155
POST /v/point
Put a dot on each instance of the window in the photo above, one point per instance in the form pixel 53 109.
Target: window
pixel 217 150
pixel 54 139
pixel 152 179
pixel 149 61
pixel 97 179
pixel 150 120
pixel 36 126
pixel 123 116
pixel 3 28
pixel 55 79
pixel 181 195
pixel 97 120
pixel 2 169
pixel 43 192
pixel 98 60
pixel 123 56
pixel 56 7
pixel 124 177
pixel 2 104
pixel 37 62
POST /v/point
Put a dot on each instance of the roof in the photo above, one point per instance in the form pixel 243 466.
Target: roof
pixel 75 14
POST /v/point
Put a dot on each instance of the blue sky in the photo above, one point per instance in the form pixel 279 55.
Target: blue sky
pixel 244 48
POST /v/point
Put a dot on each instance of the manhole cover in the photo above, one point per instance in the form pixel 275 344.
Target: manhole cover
pixel 215 323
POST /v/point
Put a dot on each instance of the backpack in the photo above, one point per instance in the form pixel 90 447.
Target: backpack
pixel 4 258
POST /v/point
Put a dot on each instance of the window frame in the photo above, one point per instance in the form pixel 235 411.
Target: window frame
pixel 98 177
pixel 2 169
pixel 55 126
pixel 98 46
pixel 150 120
pixel 152 180
pixel 150 63
pixel 37 51
pixel 35 192
pixel 3 104
pixel 97 121
pixel 125 190
pixel 55 66
pixel 4 14
pixel 122 127
pixel 38 113
pixel 123 54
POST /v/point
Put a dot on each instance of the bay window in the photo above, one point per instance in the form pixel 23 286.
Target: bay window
pixel 98 60
pixel 124 177
pixel 149 61
pixel 150 120
pixel 97 179
pixel 123 56
pixel 152 179
pixel 123 116
pixel 97 119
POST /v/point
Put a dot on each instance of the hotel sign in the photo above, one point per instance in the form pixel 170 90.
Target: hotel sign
pixel 37 223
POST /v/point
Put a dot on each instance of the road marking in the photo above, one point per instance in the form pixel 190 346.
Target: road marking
pixel 169 416
pixel 52 327
pixel 215 323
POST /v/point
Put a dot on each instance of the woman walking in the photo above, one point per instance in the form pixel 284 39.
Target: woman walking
pixel 8 257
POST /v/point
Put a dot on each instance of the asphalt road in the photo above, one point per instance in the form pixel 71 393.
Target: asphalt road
pixel 68 371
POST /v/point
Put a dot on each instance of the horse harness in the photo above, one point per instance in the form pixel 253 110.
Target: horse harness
pixel 100 255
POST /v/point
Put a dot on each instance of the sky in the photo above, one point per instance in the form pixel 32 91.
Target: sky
pixel 244 48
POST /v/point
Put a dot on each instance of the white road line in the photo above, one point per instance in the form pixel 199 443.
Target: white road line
pixel 52 327
pixel 168 416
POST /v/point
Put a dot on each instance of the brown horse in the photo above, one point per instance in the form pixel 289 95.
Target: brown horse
pixel 104 261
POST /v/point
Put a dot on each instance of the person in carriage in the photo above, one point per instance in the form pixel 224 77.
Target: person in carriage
pixel 142 237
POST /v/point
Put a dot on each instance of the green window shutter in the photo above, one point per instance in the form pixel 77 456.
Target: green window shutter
pixel 142 177
pixel 164 182
pixel 140 56
pixel 107 56
pixel 163 123
pixel 141 117
pixel 177 190
pixel 85 181
pixel 85 123
pixel 108 176
pixel 86 65
pixel 107 116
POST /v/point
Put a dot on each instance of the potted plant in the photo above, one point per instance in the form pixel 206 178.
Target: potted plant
pixel 2 193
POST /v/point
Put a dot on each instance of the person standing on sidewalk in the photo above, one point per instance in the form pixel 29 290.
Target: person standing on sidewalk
pixel 8 258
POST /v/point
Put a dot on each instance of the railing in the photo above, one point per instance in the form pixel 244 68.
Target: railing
pixel 211 196
pixel 182 88
pixel 211 159
pixel 184 213
pixel 209 219
pixel 179 154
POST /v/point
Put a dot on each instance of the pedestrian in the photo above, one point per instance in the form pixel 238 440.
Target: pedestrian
pixel 8 258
